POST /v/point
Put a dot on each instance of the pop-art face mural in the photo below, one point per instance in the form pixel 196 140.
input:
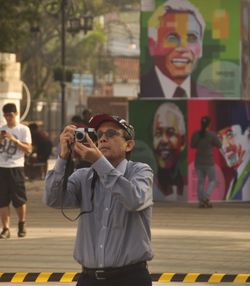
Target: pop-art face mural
pixel 234 132
pixel 178 45
pixel 236 152
pixel 193 45
pixel 234 145
pixel 163 130
pixel 168 135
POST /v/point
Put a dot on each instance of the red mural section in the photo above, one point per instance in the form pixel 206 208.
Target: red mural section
pixel 196 110
pixel 231 122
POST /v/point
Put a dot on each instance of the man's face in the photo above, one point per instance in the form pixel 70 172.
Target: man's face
pixel 179 45
pixel 233 145
pixel 167 141
pixel 10 118
pixel 113 148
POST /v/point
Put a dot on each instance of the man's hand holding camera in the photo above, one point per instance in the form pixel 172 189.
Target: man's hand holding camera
pixel 86 151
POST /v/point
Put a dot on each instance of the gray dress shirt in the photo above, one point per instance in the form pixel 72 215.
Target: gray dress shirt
pixel 117 232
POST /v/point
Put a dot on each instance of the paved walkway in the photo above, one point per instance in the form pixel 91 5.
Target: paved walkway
pixel 185 239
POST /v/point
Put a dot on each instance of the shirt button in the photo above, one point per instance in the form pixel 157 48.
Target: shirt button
pixel 106 209
pixel 101 246
pixel 100 265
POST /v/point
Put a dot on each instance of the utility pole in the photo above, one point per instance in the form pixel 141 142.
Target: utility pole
pixel 63 79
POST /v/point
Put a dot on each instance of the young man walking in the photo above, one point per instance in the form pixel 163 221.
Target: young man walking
pixel 15 141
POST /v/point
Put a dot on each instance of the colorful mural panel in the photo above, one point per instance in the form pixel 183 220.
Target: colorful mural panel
pixel 190 49
pixel 163 131
pixel 231 122
pixel 162 144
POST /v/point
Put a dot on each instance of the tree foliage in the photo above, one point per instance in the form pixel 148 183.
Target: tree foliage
pixel 32 30
pixel 14 19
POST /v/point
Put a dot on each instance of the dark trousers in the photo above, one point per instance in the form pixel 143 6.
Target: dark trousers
pixel 132 277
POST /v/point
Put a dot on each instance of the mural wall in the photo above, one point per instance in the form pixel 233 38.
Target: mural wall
pixel 231 122
pixel 191 49
pixel 163 131
pixel 194 62
pixel 161 134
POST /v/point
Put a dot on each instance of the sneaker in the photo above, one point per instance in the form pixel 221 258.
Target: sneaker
pixel 21 229
pixel 202 205
pixel 208 204
pixel 5 233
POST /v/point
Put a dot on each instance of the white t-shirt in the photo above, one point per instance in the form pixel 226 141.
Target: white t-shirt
pixel 10 155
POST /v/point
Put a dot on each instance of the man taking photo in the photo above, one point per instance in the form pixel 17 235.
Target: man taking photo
pixel 113 242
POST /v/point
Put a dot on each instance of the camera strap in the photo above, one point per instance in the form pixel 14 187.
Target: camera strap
pixel 67 173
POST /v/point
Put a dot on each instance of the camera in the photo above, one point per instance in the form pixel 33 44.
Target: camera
pixel 80 135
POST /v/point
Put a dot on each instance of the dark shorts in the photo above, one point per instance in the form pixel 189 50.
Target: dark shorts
pixel 12 187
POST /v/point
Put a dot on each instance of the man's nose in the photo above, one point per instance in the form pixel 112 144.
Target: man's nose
pixel 165 138
pixel 103 138
pixel 225 143
pixel 181 43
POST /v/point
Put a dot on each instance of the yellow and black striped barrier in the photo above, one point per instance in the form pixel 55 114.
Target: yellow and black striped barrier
pixel 17 277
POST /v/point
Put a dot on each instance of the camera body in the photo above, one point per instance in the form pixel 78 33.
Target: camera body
pixel 80 135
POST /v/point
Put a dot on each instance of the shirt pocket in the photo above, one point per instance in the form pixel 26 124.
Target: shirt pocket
pixel 118 215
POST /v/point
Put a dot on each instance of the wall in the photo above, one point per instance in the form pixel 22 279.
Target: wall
pixel 165 127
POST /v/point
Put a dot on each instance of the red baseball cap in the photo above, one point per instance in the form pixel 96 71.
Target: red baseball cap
pixel 97 120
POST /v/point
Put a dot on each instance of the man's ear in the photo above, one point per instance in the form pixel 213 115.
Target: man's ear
pixel 130 145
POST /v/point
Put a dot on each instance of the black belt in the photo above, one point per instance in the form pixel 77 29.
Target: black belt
pixel 107 273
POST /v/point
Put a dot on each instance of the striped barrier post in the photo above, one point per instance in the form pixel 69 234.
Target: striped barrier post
pixel 18 277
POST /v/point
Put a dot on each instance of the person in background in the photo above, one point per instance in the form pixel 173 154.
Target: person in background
pixel 169 141
pixel 86 115
pixel 15 141
pixel 77 121
pixel 42 146
pixel 113 242
pixel 204 141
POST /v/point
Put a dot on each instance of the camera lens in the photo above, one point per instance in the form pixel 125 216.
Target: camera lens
pixel 79 136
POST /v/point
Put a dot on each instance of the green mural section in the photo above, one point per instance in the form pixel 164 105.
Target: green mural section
pixel 218 70
pixel 161 141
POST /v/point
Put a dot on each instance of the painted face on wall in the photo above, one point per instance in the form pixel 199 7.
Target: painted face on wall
pixel 234 145
pixel 167 140
pixel 178 46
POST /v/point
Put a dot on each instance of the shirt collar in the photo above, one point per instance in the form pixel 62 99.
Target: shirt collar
pixel 122 166
pixel 168 86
